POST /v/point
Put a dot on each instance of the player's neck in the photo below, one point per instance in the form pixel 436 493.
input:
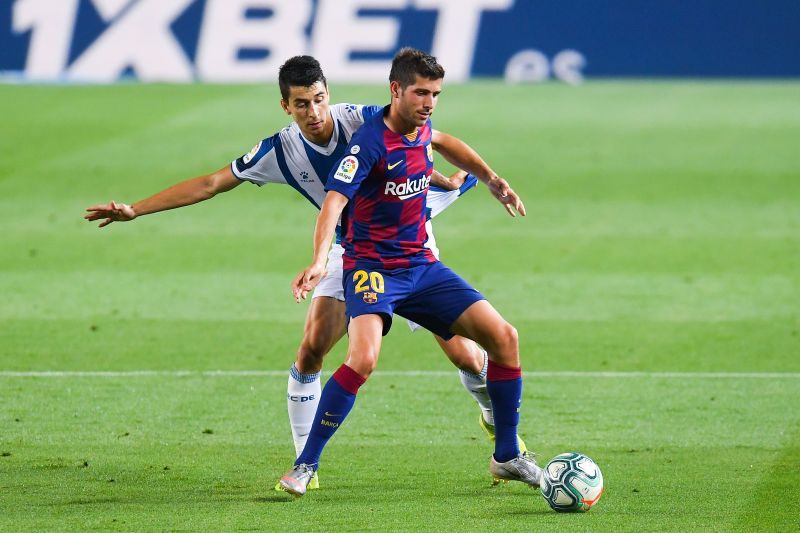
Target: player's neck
pixel 397 124
pixel 323 137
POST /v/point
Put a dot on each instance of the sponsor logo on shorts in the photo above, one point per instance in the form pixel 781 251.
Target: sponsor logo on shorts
pixel 408 188
pixel 347 169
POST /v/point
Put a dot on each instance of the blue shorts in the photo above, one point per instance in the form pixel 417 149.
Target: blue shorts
pixel 431 295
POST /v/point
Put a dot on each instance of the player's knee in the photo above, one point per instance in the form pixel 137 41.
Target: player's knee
pixel 368 364
pixel 512 335
pixel 506 340
pixel 363 362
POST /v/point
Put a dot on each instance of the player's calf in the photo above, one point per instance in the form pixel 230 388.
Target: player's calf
pixel 464 353
pixel 309 358
pixel 324 327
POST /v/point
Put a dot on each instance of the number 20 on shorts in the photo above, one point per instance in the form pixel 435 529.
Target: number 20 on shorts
pixel 368 281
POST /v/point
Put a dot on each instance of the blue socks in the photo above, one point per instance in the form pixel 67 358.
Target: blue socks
pixel 504 385
pixel 336 401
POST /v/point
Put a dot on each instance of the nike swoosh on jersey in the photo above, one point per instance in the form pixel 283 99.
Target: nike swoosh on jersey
pixel 390 167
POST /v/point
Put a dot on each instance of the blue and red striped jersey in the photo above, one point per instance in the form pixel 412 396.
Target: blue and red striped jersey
pixel 386 177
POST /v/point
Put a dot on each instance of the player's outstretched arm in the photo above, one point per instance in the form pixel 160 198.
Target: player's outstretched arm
pixel 181 194
pixel 310 277
pixel 463 156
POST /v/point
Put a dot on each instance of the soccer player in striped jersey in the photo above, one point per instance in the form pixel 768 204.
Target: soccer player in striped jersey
pixel 379 189
pixel 302 156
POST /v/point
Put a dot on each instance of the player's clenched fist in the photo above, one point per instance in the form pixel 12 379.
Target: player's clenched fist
pixel 113 212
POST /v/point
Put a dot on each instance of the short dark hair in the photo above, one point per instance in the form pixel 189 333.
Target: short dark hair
pixel 410 62
pixel 299 71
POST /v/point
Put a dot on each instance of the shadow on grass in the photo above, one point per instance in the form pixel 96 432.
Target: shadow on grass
pixel 277 498
pixel 530 512
pixel 89 501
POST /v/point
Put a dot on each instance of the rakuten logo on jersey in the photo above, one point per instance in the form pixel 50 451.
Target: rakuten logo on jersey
pixel 408 188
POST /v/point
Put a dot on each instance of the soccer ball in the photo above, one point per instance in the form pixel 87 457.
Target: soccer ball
pixel 571 482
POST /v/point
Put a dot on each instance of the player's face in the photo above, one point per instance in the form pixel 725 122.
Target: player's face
pixel 310 109
pixel 416 102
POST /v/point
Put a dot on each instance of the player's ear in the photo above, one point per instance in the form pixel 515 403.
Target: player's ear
pixel 394 88
pixel 285 106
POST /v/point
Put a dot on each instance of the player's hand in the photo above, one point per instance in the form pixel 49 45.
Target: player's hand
pixel 457 180
pixel 306 280
pixel 448 183
pixel 113 212
pixel 506 196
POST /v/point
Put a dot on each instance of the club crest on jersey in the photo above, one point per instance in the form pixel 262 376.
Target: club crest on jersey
pixel 407 189
pixel 430 153
pixel 252 153
pixel 347 169
pixel 370 297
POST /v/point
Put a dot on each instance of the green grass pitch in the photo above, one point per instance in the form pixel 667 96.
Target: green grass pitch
pixel 659 263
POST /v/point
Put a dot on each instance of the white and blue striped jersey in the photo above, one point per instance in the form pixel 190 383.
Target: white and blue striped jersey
pixel 288 158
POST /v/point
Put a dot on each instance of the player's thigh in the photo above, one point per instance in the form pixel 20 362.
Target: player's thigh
pixel 365 333
pixel 462 352
pixel 325 324
pixel 482 323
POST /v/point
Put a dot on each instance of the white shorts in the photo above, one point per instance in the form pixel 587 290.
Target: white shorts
pixel 331 285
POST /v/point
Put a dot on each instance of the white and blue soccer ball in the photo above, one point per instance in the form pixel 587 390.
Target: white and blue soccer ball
pixel 571 482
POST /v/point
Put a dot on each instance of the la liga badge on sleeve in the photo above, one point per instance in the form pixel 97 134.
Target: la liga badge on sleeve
pixel 347 169
pixel 252 153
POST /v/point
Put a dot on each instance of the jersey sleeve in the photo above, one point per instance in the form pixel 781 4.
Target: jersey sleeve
pixel 440 199
pixel 369 111
pixel 363 153
pixel 356 113
pixel 260 165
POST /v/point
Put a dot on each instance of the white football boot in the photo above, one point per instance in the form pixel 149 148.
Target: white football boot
pixel 296 480
pixel 521 468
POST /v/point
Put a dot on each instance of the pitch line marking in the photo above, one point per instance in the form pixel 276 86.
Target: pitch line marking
pixel 391 373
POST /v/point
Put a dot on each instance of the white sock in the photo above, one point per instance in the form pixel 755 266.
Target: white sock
pixel 476 386
pixel 302 399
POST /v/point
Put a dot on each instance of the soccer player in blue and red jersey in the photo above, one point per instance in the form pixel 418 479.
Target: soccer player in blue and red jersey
pixel 379 188
pixel 302 156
